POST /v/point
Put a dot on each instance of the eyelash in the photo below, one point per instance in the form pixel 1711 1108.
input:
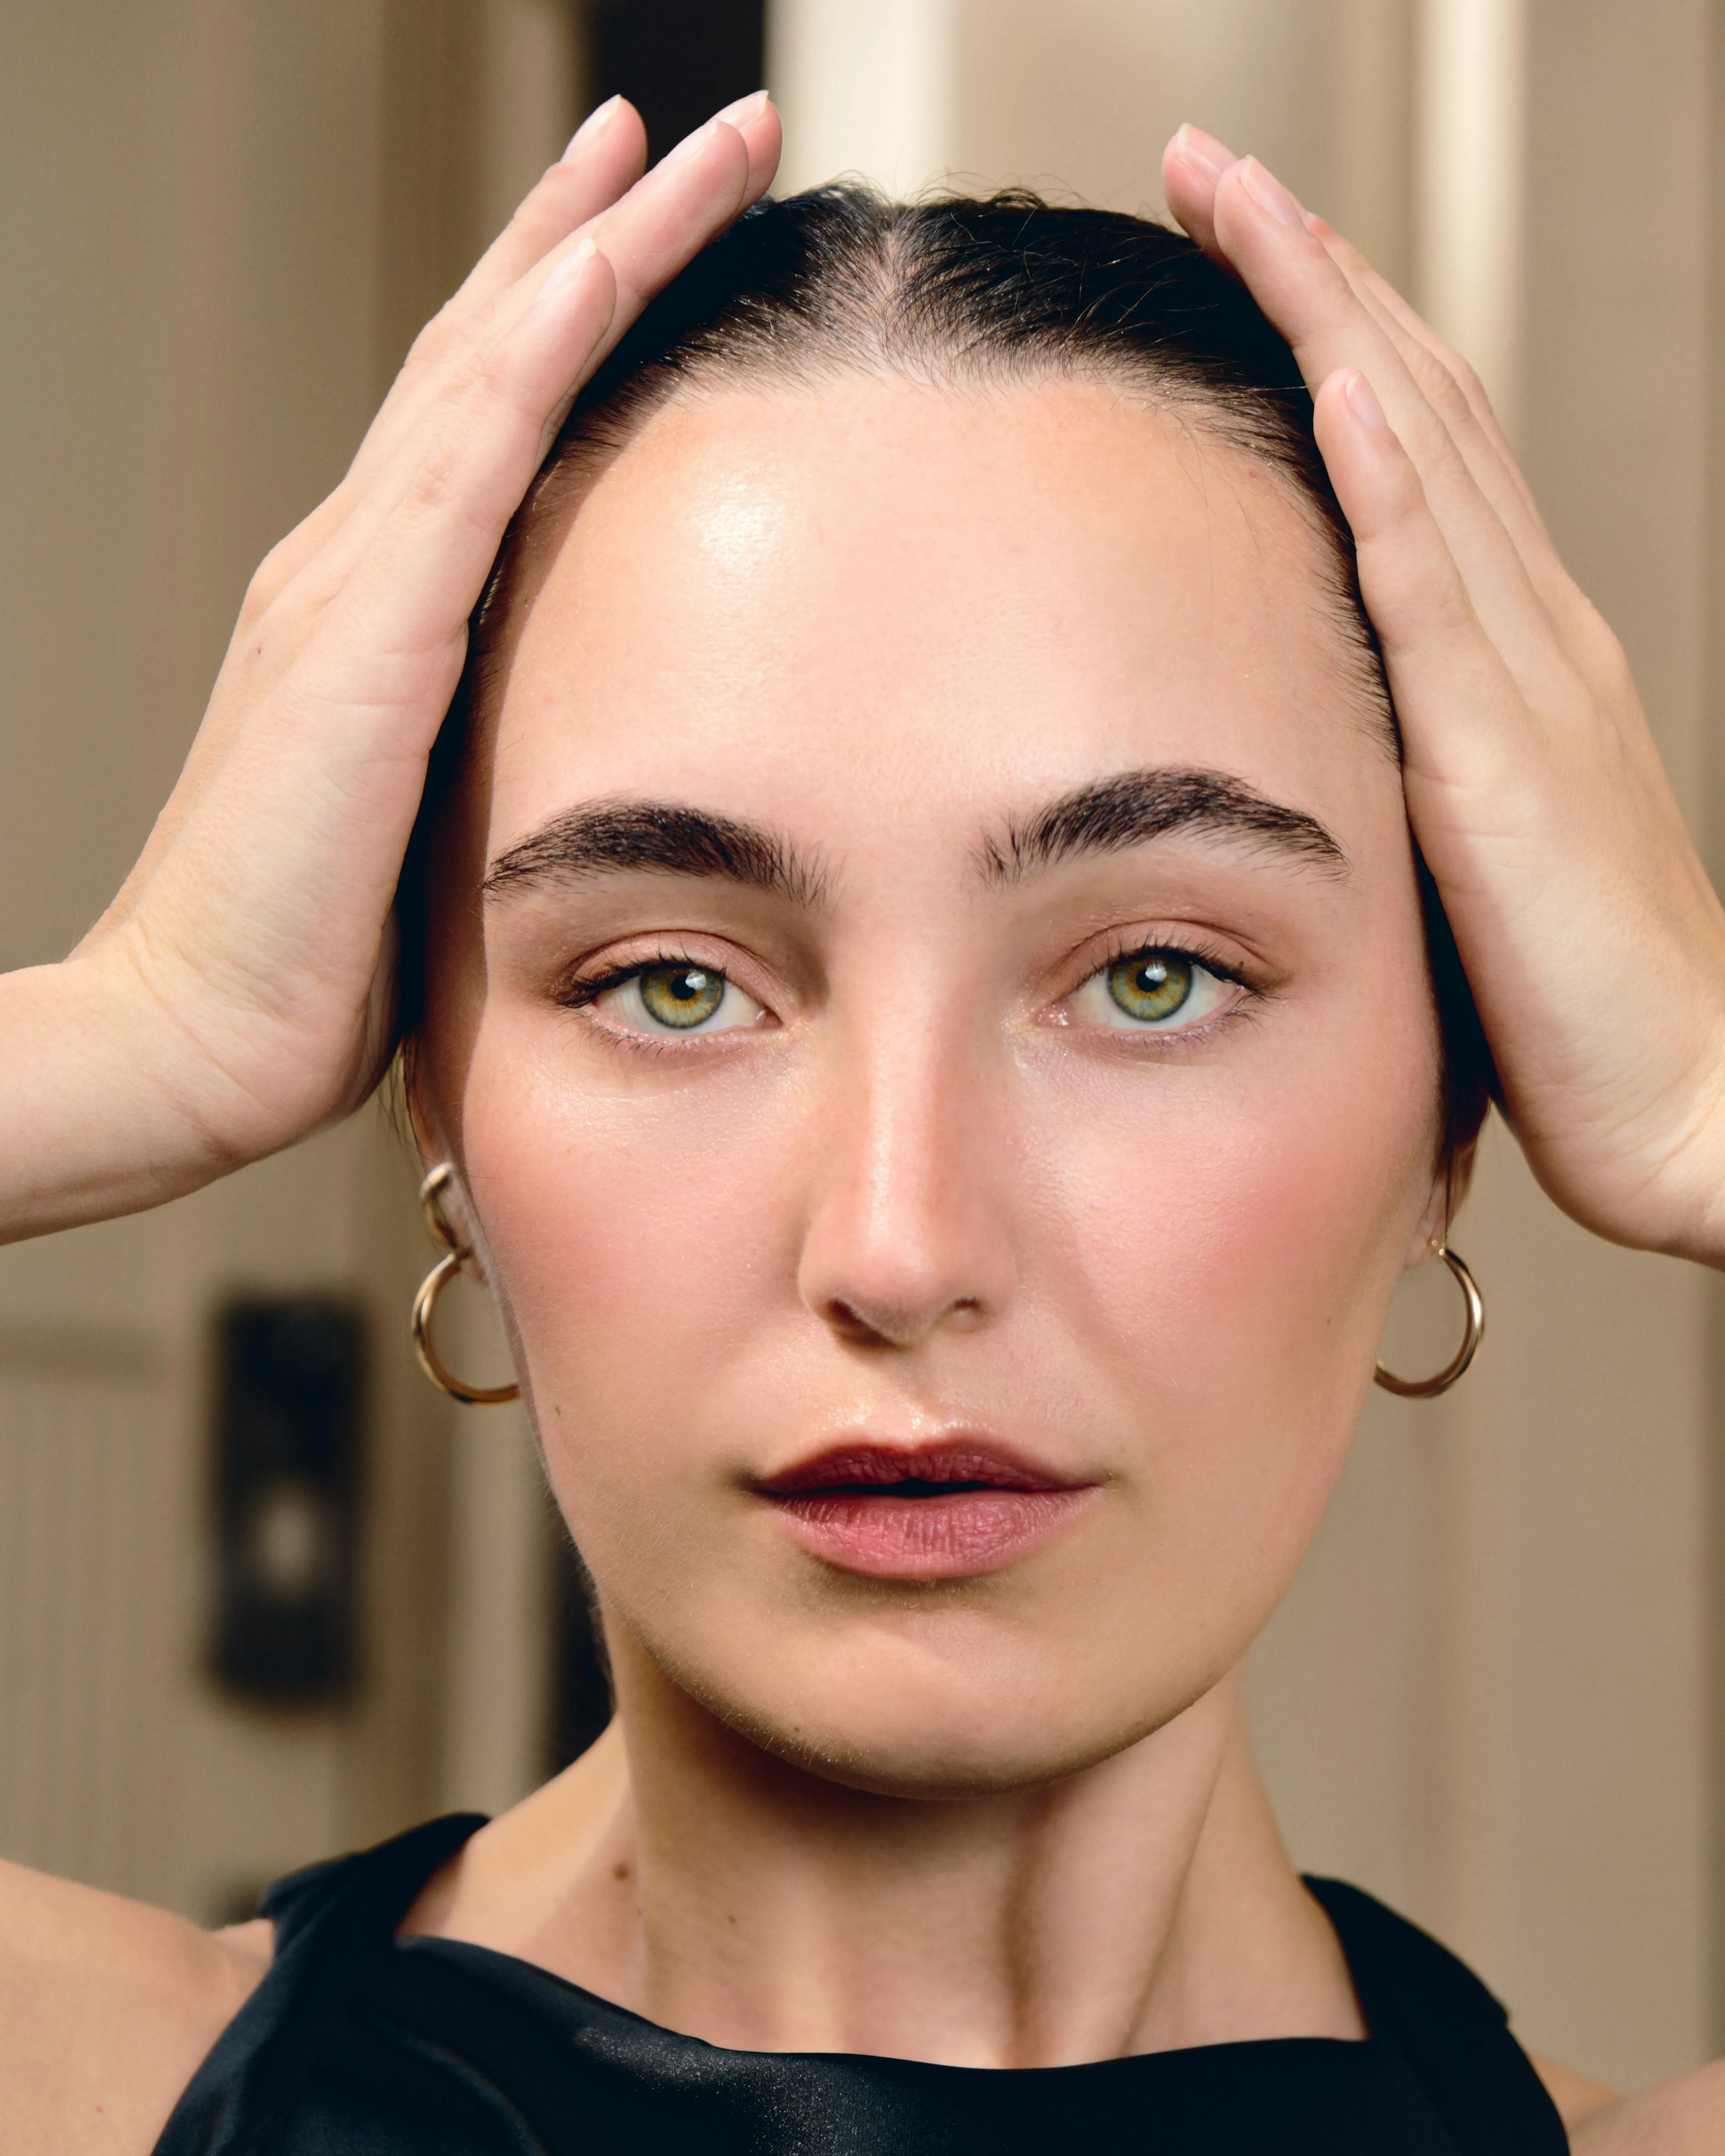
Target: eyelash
pixel 581 993
pixel 578 994
pixel 1137 947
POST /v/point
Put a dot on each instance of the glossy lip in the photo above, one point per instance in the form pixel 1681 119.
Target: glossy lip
pixel 950 1508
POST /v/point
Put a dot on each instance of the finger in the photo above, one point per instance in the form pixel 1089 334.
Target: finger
pixel 609 160
pixel 365 691
pixel 1462 717
pixel 1459 393
pixel 1290 272
pixel 646 236
pixel 415 585
pixel 606 155
pixel 1377 291
pixel 1191 164
pixel 604 160
pixel 660 225
pixel 1437 374
pixel 608 176
pixel 688 197
pixel 355 713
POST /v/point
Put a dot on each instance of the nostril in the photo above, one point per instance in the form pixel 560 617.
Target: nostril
pixel 895 1326
pixel 844 1317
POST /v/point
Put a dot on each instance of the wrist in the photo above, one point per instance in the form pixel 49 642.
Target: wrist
pixel 99 1097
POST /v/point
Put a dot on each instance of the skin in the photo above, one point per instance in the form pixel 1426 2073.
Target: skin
pixel 757 1853
pixel 930 1184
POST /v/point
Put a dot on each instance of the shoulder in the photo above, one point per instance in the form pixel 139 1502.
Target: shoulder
pixel 1681 2117
pixel 107 2008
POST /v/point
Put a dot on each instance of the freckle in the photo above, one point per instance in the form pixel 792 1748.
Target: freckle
pixel 620 1871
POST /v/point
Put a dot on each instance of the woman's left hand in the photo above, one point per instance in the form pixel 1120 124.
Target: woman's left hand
pixel 1592 938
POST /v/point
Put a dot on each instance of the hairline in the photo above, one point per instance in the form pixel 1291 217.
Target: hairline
pixel 809 360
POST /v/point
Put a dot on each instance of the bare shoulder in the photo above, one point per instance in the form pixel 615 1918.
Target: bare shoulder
pixel 1681 2117
pixel 107 2008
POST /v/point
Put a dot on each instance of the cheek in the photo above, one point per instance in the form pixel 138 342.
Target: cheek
pixel 1204 1257
pixel 1223 1255
pixel 642 1242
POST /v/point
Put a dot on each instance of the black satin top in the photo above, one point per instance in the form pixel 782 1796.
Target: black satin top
pixel 358 2043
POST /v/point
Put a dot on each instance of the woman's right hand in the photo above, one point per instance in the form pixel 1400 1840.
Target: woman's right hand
pixel 238 992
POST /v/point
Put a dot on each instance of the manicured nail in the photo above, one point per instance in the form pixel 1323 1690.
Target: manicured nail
pixel 689 146
pixel 599 118
pixel 1363 402
pixel 1203 152
pixel 744 110
pixel 1270 195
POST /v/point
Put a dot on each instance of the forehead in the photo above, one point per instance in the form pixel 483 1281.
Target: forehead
pixel 876 591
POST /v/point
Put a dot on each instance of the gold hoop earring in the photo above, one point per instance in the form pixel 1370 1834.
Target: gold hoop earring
pixel 431 1287
pixel 1427 1388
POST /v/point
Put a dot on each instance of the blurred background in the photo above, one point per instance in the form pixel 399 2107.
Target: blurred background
pixel 264 1594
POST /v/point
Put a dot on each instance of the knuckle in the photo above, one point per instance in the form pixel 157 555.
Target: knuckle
pixel 1440 385
pixel 1466 376
pixel 269 580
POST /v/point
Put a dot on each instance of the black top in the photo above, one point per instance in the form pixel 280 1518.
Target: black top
pixel 358 2043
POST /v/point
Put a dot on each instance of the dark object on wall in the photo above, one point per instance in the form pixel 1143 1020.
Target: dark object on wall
pixel 676 61
pixel 580 1679
pixel 289 1399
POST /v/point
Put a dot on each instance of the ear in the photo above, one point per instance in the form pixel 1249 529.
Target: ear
pixel 420 1116
pixel 434 1148
pixel 1450 1186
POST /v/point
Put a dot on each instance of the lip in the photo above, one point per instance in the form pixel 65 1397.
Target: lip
pixel 950 1508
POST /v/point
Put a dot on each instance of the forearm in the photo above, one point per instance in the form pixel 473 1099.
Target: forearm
pixel 96 1121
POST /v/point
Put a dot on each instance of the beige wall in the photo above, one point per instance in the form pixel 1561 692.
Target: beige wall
pixel 224 220
pixel 1487 1696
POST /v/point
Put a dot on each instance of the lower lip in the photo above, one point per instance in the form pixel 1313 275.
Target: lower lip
pixel 927 1537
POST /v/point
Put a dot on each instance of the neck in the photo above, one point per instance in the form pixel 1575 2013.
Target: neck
pixel 1143 1904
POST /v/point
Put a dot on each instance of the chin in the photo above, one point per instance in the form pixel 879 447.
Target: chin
pixel 938 1728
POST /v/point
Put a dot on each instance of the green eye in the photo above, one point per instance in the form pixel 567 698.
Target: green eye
pixel 1150 984
pixel 681 996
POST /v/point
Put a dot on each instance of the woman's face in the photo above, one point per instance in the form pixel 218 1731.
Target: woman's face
pixel 942 1163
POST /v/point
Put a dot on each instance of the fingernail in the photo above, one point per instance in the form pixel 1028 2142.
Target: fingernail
pixel 600 117
pixel 1270 195
pixel 1193 146
pixel 689 145
pixel 744 110
pixel 567 272
pixel 1363 402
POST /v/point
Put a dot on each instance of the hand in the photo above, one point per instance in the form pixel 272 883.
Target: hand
pixel 1594 942
pixel 238 992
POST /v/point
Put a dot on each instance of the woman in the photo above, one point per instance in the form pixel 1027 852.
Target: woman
pixel 919 986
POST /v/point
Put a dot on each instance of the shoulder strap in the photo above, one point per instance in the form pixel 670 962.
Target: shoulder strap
pixel 333 1921
pixel 1453 2034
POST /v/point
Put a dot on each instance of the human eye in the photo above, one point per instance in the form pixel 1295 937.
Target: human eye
pixel 669 998
pixel 1156 990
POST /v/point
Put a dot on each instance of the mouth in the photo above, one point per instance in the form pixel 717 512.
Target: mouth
pixel 951 1509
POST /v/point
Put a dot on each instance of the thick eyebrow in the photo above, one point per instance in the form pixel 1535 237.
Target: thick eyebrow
pixel 611 838
pixel 1136 805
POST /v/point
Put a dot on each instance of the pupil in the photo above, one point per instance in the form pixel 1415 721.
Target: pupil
pixel 1152 986
pixel 687 987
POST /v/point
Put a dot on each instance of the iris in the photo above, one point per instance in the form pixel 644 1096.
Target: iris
pixel 1150 984
pixel 681 996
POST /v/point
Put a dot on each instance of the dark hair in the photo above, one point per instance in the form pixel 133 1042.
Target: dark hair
pixel 960 293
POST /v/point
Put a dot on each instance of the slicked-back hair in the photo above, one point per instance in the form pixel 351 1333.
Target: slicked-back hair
pixel 964 294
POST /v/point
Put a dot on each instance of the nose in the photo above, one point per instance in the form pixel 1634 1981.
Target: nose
pixel 908 1233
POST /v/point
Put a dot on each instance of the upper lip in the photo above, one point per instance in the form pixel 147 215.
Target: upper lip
pixel 968 1459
